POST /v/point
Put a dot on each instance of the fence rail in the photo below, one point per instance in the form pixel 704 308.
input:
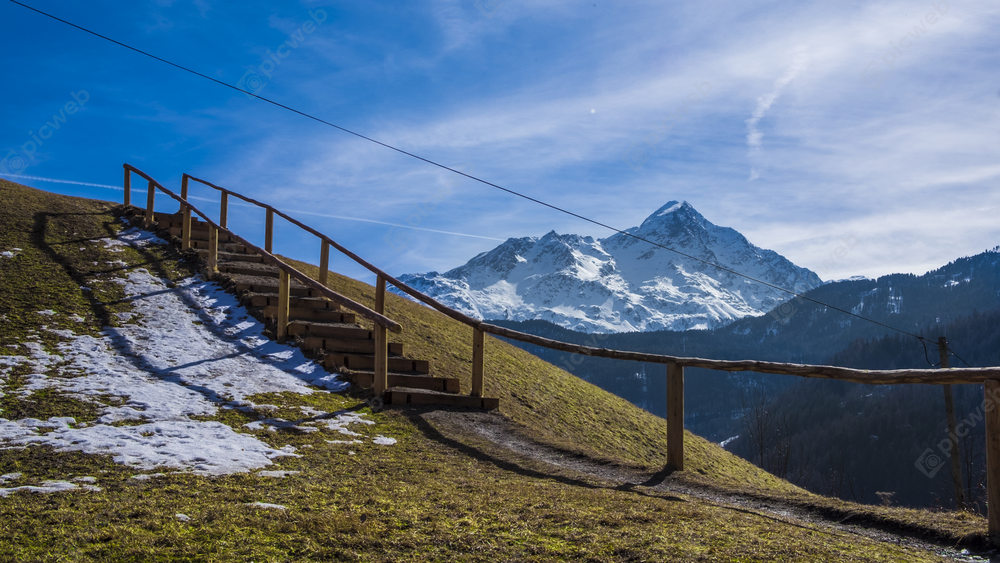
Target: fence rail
pixel 988 377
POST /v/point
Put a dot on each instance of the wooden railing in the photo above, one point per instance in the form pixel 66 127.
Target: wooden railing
pixel 988 377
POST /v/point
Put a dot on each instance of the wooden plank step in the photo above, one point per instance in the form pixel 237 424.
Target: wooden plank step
pixel 249 269
pixel 349 345
pixel 340 332
pixel 229 248
pixel 442 384
pixel 315 303
pixel 315 315
pixel 237 257
pixel 417 397
pixel 296 289
pixel 366 363
pixel 201 235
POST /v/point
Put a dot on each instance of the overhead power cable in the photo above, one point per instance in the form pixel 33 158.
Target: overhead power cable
pixel 471 177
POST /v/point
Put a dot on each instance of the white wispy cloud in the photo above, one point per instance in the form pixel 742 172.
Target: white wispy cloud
pixel 764 103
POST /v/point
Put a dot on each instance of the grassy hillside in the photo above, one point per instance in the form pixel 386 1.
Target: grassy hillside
pixel 550 404
pixel 427 498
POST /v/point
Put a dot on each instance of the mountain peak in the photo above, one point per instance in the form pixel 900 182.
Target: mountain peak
pixel 621 283
pixel 670 207
pixel 674 215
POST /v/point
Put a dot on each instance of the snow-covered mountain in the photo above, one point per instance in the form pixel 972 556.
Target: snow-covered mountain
pixel 621 284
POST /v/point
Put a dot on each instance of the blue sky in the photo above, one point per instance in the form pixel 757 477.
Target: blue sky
pixel 853 138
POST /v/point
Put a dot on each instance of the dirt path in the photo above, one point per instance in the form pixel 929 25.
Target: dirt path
pixel 504 445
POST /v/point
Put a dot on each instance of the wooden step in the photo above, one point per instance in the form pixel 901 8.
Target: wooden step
pixel 417 397
pixel 237 257
pixel 296 289
pixel 315 315
pixel 349 345
pixel 249 269
pixel 201 235
pixel 340 332
pixel 315 303
pixel 367 363
pixel 442 384
pixel 231 248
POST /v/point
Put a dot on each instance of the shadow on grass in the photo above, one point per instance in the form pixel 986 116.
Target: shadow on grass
pixel 432 433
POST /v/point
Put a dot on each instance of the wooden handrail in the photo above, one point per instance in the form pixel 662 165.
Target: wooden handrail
pixel 379 319
pixel 872 377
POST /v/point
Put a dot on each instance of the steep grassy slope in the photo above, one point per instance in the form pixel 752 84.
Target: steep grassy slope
pixel 550 404
pixel 426 499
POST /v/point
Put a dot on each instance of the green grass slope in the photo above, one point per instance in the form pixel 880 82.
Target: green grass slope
pixel 428 498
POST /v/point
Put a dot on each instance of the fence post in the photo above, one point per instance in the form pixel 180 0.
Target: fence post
pixel 478 356
pixel 949 408
pixel 324 262
pixel 128 187
pixel 675 416
pixel 213 251
pixel 185 227
pixel 284 298
pixel 149 204
pixel 269 231
pixel 224 210
pixel 185 216
pixel 991 392
pixel 381 346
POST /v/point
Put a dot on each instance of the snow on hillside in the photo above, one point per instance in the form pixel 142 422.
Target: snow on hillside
pixel 185 351
pixel 621 284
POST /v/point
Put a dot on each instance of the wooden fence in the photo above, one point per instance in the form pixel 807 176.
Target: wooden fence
pixel 988 377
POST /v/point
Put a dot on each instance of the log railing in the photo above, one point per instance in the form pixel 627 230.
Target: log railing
pixel 287 271
pixel 988 377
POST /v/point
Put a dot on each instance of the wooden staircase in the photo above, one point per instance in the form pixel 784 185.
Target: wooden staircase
pixel 320 327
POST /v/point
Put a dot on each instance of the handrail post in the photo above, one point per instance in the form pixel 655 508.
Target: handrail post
pixel 213 251
pixel 324 262
pixel 949 410
pixel 991 394
pixel 478 341
pixel 185 216
pixel 269 231
pixel 185 227
pixel 284 298
pixel 675 416
pixel 128 187
pixel 381 345
pixel 150 196
pixel 224 210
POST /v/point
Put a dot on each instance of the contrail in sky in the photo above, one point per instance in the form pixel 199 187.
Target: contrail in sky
pixel 196 198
